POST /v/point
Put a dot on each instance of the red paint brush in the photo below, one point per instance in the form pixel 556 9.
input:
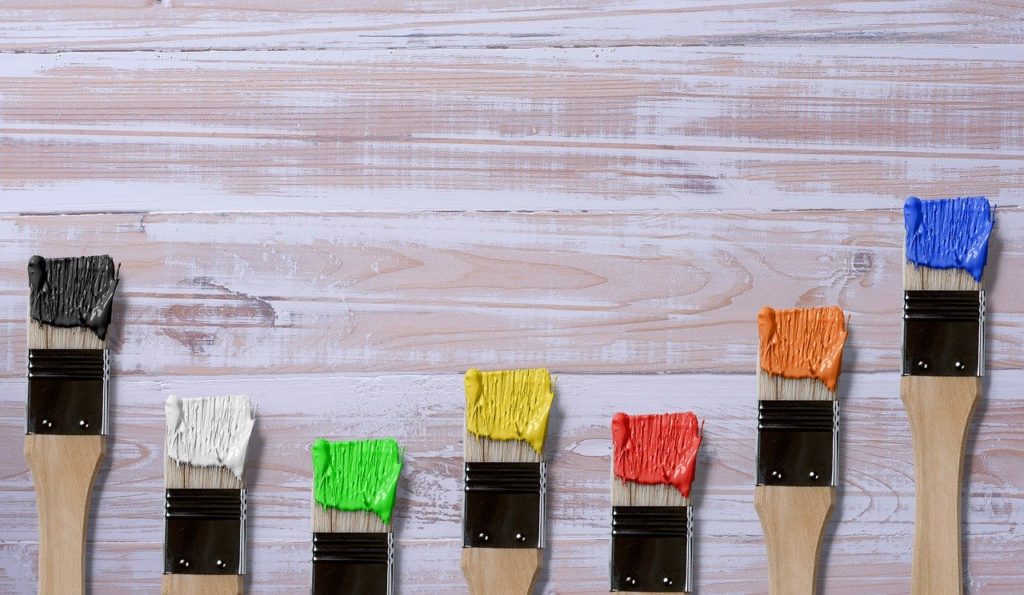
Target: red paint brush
pixel 653 465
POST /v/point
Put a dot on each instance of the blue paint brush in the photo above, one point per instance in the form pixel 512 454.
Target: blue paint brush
pixel 943 360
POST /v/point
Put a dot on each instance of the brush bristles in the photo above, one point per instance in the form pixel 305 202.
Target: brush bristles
pixel 183 476
pixel 44 336
pixel 917 277
pixel 631 493
pixel 332 520
pixel 777 388
pixel 485 450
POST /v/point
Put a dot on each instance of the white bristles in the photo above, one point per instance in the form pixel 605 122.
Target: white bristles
pixel 777 388
pixel 485 450
pixel 44 336
pixel 631 493
pixel 917 277
pixel 332 520
pixel 207 438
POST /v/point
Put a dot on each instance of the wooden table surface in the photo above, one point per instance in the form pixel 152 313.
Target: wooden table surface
pixel 339 207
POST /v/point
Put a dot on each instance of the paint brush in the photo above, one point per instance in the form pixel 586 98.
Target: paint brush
pixel 204 513
pixel 503 511
pixel 946 248
pixel 800 353
pixel 653 463
pixel 70 305
pixel 354 485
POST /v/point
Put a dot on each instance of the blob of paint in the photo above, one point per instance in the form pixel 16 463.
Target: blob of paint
pixel 803 342
pixel 72 292
pixel 210 431
pixel 357 475
pixel 656 449
pixel 949 233
pixel 509 405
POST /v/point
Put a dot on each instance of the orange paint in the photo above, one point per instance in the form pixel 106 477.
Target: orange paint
pixel 803 343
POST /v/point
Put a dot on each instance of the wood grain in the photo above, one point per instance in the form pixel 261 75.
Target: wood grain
pixel 63 25
pixel 939 410
pixel 627 128
pixel 64 469
pixel 443 292
pixel 794 520
pixel 867 544
pixel 491 571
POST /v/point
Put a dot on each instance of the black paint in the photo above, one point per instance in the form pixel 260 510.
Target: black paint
pixel 73 292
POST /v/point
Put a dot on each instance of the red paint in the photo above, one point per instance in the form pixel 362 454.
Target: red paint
pixel 656 449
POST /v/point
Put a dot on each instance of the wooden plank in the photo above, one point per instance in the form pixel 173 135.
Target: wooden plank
pixel 573 567
pixel 63 25
pixel 867 548
pixel 442 292
pixel 624 129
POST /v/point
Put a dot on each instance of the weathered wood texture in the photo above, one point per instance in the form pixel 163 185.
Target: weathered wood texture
pixel 674 128
pixel 443 292
pixel 63 25
pixel 680 151
pixel 867 544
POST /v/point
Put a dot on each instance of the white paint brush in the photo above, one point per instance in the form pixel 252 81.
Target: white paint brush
pixel 204 538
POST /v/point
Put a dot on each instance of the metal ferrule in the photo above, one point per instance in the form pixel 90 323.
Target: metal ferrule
pixel 652 549
pixel 67 392
pixel 797 443
pixel 943 333
pixel 204 531
pixel 353 563
pixel 504 505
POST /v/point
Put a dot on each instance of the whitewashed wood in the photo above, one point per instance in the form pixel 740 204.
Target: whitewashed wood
pixel 442 292
pixel 867 545
pixel 62 25
pixel 624 128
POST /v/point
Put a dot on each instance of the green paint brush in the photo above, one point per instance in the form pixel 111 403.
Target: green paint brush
pixel 354 486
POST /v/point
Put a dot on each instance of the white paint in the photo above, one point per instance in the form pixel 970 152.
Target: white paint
pixel 209 431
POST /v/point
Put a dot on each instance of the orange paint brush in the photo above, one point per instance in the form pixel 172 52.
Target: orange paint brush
pixel 801 354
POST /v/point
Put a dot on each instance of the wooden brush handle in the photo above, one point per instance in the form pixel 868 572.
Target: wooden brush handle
pixel 201 584
pixel 63 471
pixel 500 571
pixel 940 410
pixel 794 520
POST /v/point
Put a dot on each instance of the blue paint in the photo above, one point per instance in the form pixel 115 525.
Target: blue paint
pixel 949 233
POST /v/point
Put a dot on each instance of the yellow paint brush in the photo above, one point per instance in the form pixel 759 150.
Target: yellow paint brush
pixel 503 512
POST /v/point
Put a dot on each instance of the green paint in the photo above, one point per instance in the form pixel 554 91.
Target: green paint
pixel 357 475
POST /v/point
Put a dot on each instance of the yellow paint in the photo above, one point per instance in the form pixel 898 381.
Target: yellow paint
pixel 509 405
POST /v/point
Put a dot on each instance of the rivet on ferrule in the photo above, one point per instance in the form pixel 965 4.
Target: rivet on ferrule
pixel 943 333
pixel 504 505
pixel 353 563
pixel 67 392
pixel 204 531
pixel 651 549
pixel 797 443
